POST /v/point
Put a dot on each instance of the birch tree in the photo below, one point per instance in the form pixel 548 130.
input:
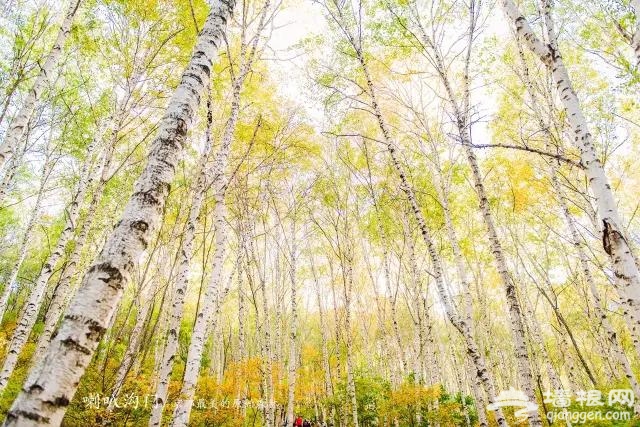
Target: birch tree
pixel 30 311
pixel 33 219
pixel 210 175
pixel 613 234
pixel 45 400
pixel 407 188
pixel 18 125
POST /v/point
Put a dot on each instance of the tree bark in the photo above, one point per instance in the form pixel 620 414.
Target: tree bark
pixel 459 323
pixel 292 363
pixel 18 125
pixel 144 311
pixel 26 238
pixel 219 182
pixel 45 400
pixel 351 385
pixel 613 234
pixel 514 309
pixel 179 292
pixel 326 367
pixel 12 166
pixel 210 175
pixel 30 311
pixel 65 286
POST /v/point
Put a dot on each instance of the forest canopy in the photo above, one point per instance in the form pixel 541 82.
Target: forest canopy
pixel 345 213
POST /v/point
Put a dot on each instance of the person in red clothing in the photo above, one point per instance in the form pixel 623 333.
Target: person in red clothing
pixel 298 422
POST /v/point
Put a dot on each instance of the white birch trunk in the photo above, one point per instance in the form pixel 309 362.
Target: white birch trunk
pixel 65 286
pixel 12 168
pixel 415 293
pixel 46 399
pixel 478 399
pixel 210 175
pixel 460 386
pixel 267 376
pixel 456 320
pixel 24 244
pixel 159 346
pixel 613 234
pixel 18 125
pixel 216 368
pixel 351 385
pixel 326 367
pixel 142 316
pixel 515 312
pixel 215 329
pixel 598 304
pixel 219 182
pixel 476 383
pixel 292 363
pixel 242 315
pixel 534 330
pixel 406 187
pixel 278 321
pixel 180 288
pixel 30 311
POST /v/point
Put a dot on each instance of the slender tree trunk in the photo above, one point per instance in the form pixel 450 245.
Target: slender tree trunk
pixel 159 346
pixel 351 385
pixel 465 288
pixel 242 315
pixel 10 92
pixel 219 183
pixel 613 235
pixel 620 356
pixel 203 319
pixel 45 400
pixel 243 391
pixel 215 329
pixel 478 398
pixel 186 251
pixel 515 312
pixel 326 367
pixel 293 335
pixel 598 304
pixel 142 317
pixel 534 330
pixel 415 293
pixel 64 288
pixel 393 293
pixel 18 125
pixel 210 175
pixel 278 321
pixel 459 323
pixel 30 312
pixel 26 239
pixel 267 376
pixel 12 168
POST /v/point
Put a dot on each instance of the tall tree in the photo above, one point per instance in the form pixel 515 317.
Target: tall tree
pixel 614 240
pixel 18 125
pixel 46 398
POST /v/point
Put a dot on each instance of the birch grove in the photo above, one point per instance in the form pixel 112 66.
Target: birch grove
pixel 330 213
pixel 18 125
